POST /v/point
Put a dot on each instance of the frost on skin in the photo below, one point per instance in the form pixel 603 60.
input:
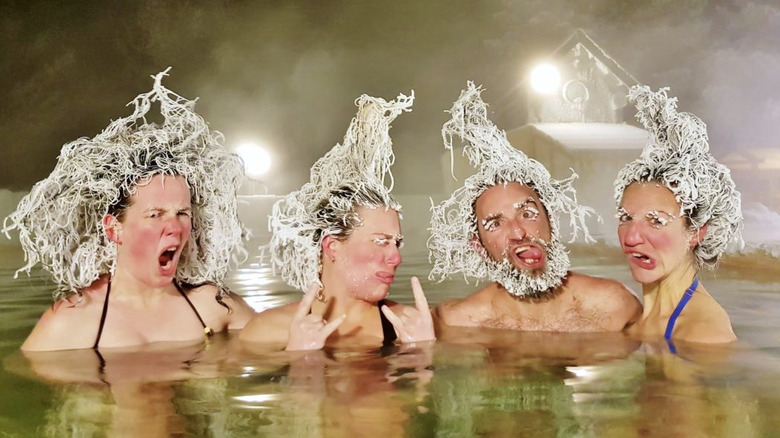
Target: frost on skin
pixel 655 219
pixel 59 221
pixel 678 157
pixel 454 224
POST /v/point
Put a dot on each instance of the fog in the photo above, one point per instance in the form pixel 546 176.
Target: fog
pixel 286 73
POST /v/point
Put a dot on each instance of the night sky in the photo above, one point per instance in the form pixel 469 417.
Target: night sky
pixel 286 73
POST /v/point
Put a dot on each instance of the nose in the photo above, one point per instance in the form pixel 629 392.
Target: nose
pixel 394 257
pixel 629 234
pixel 173 225
pixel 517 230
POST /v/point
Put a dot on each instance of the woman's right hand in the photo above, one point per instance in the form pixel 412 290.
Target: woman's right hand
pixel 309 331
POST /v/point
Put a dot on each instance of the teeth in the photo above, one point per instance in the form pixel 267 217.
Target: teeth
pixel 529 261
pixel 521 249
pixel 643 258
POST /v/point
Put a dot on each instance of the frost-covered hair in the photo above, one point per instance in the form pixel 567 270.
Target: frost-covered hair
pixel 678 156
pixel 60 220
pixel 454 223
pixel 350 175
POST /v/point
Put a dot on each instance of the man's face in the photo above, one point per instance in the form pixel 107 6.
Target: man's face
pixel 512 225
pixel 515 232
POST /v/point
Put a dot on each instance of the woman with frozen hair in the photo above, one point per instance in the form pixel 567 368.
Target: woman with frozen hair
pixel 339 238
pixel 678 209
pixel 138 227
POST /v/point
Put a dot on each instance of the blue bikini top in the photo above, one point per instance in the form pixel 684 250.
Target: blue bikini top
pixel 677 310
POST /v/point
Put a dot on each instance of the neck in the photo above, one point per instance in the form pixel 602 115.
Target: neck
pixel 126 287
pixel 663 295
pixel 337 298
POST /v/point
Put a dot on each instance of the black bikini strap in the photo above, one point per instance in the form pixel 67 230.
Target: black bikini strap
pixel 206 329
pixel 103 318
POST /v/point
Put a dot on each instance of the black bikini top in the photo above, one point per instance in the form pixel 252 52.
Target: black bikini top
pixel 206 329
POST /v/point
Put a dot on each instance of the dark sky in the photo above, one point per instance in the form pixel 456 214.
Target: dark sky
pixel 287 72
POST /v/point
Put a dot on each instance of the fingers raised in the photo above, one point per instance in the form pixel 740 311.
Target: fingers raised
pixel 419 296
pixel 395 320
pixel 331 327
pixel 304 308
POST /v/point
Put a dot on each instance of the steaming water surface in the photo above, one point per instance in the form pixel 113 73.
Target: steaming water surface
pixel 469 383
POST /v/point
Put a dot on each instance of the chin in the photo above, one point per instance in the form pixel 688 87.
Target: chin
pixel 643 276
pixel 373 295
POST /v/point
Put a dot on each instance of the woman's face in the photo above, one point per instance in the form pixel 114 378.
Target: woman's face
pixel 154 230
pixel 652 234
pixel 367 259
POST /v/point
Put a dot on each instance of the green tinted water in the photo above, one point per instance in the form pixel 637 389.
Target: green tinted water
pixel 469 383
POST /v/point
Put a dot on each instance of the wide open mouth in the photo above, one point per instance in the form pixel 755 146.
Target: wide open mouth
pixel 167 258
pixel 528 255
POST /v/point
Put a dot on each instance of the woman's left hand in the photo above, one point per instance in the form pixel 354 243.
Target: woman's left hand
pixel 415 323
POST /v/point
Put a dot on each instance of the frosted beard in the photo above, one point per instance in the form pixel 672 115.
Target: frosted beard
pixel 532 283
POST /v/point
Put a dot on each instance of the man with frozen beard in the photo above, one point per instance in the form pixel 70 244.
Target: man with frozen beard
pixel 502 225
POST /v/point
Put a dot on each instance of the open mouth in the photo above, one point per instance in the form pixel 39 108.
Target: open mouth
pixel 640 259
pixel 167 258
pixel 529 255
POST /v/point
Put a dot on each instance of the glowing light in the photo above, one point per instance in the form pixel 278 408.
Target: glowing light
pixel 256 398
pixel 545 79
pixel 257 161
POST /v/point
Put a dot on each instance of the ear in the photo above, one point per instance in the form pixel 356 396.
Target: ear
pixel 113 228
pixel 329 246
pixel 477 245
pixel 698 237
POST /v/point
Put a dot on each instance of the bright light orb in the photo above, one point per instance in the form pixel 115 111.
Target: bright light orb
pixel 257 161
pixel 545 79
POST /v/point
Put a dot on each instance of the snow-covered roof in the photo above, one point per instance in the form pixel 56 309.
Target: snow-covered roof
pixel 591 136
pixel 580 38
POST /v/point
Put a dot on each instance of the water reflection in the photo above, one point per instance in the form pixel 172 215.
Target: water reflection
pixel 469 383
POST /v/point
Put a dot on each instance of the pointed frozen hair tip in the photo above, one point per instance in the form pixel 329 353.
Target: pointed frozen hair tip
pixel 60 221
pixel 677 155
pixel 350 175
pixel 453 222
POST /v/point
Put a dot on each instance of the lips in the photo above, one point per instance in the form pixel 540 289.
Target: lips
pixel 386 277
pixel 528 255
pixel 640 259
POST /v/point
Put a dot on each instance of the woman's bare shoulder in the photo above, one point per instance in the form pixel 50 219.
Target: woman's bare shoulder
pixel 221 305
pixel 705 322
pixel 271 325
pixel 70 323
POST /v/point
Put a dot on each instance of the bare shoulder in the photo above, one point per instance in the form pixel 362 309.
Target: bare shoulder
pixel 270 326
pixel 468 311
pixel 601 288
pixel 233 313
pixel 706 322
pixel 610 296
pixel 71 323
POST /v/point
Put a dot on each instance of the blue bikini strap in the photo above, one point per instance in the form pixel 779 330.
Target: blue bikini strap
pixel 680 306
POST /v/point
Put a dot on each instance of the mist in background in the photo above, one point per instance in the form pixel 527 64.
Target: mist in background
pixel 286 73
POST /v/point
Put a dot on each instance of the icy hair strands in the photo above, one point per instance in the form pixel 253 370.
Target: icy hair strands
pixel 677 155
pixel 59 221
pixel 341 179
pixel 453 223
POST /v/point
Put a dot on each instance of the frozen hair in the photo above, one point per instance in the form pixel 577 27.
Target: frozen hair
pixel 454 223
pixel 350 175
pixel 677 155
pixel 60 220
